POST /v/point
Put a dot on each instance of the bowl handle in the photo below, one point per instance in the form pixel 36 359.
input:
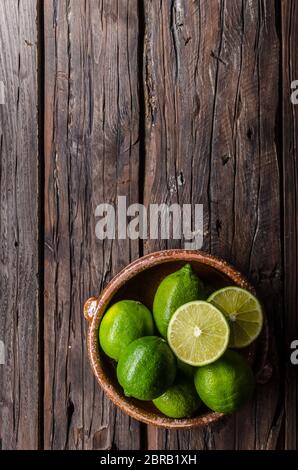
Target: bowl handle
pixel 90 308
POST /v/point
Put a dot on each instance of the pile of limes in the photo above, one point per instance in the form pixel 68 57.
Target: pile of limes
pixel 180 356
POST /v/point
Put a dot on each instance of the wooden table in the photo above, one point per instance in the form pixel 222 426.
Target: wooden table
pixel 163 101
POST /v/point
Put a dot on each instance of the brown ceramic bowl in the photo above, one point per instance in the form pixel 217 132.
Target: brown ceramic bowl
pixel 139 281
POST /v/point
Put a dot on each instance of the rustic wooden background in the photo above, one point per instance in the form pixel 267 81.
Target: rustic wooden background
pixel 163 101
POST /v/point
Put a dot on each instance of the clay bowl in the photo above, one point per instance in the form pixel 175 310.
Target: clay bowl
pixel 139 281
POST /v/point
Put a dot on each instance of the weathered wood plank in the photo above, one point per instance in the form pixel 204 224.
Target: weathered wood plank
pixel 211 92
pixel 19 223
pixel 290 203
pixel 92 156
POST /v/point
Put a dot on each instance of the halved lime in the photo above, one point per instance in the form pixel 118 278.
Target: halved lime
pixel 243 311
pixel 198 333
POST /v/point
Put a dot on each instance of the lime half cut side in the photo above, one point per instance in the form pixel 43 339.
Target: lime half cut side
pixel 198 333
pixel 243 311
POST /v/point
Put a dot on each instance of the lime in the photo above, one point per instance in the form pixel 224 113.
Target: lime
pixel 225 385
pixel 146 368
pixel 180 400
pixel 243 312
pixel 186 369
pixel 175 290
pixel 124 322
pixel 198 333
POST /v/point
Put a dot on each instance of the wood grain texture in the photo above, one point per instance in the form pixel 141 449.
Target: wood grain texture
pixel 198 119
pixel 19 224
pixel 211 92
pixel 290 201
pixel 92 156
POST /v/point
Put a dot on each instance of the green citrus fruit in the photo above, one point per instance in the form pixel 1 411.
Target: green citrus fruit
pixel 244 313
pixel 175 290
pixel 124 322
pixel 180 400
pixel 225 385
pixel 198 333
pixel 146 368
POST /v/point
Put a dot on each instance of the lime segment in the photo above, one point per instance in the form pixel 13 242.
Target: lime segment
pixel 198 333
pixel 243 311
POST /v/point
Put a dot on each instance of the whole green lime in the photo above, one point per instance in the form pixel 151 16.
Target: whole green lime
pixel 180 400
pixel 124 322
pixel 146 368
pixel 225 385
pixel 176 289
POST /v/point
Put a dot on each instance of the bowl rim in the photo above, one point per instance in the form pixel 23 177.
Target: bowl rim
pixel 95 313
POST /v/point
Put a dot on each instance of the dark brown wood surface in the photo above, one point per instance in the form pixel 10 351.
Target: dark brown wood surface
pixel 92 156
pixel 19 226
pixel 162 101
pixel 207 114
pixel 290 219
